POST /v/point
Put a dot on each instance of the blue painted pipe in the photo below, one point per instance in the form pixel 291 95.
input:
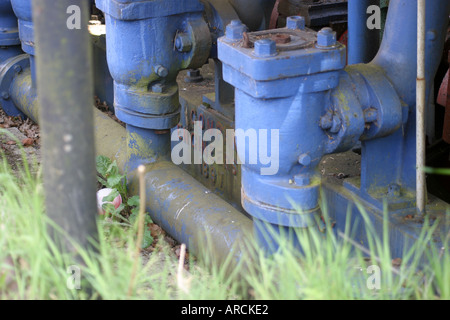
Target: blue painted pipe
pixel 363 43
pixel 398 58
pixel 9 33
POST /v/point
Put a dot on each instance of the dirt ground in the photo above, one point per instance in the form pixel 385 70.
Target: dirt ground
pixel 23 139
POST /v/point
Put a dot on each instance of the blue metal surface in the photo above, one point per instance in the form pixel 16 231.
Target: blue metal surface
pixel 22 9
pixel 303 90
pixel 277 91
pixel 363 43
pixel 9 32
pixel 143 34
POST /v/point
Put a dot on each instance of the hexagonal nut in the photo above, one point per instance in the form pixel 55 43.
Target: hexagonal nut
pixel 337 123
pixel 183 42
pixel 161 71
pixel 326 37
pixel 302 180
pixel 296 23
pixel 158 88
pixel 304 160
pixel 235 30
pixel 265 48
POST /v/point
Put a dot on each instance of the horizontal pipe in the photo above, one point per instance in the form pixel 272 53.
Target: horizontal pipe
pixel 23 94
pixel 363 43
pixel 181 205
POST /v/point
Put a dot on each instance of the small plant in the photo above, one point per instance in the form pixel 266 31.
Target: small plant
pixel 110 177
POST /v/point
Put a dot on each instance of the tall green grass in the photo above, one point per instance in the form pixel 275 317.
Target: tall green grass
pixel 330 267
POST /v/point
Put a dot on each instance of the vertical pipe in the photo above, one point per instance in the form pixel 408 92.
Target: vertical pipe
pixel 65 95
pixel 421 104
pixel 363 43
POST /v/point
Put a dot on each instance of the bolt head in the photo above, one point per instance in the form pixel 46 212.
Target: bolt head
pixel 17 68
pixel 302 180
pixel 336 125
pixel 326 37
pixel 304 160
pixel 326 122
pixel 158 88
pixel 193 76
pixel 394 190
pixel 235 30
pixel 296 23
pixel 5 95
pixel 265 48
pixel 183 43
pixel 161 71
pixel 370 115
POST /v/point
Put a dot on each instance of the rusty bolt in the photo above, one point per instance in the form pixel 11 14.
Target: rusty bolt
pixel 281 38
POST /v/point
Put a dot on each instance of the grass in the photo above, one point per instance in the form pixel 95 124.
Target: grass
pixel 331 266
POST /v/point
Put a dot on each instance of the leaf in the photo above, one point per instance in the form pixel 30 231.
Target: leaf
pixel 102 164
pixel 110 198
pixel 101 180
pixel 134 215
pixel 147 240
pixel 113 181
pixel 112 169
pixel 134 201
pixel 108 208
pixel 27 142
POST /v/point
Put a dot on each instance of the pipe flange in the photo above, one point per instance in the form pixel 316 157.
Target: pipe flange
pixel 8 71
pixel 147 121
pixel 9 37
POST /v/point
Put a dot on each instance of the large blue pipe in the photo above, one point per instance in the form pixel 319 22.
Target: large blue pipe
pixel 398 58
pixel 363 43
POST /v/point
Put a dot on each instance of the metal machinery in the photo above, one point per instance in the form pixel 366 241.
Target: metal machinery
pixel 292 79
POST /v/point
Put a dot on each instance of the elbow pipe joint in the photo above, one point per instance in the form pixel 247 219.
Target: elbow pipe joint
pixel 365 106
